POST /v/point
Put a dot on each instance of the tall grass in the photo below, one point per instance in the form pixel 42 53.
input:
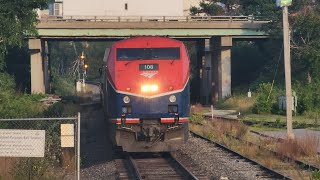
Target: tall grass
pixel 302 147
pixel 240 103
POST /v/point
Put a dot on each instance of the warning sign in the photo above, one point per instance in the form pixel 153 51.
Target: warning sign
pixel 22 143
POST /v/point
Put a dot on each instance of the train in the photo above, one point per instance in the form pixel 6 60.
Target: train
pixel 145 93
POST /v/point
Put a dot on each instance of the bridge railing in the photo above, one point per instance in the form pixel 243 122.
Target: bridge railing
pixel 153 19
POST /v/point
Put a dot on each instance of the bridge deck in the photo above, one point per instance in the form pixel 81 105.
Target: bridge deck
pixel 188 26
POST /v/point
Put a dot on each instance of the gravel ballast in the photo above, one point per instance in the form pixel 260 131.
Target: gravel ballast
pixel 218 163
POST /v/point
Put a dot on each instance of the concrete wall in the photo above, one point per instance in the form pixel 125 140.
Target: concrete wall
pixel 117 8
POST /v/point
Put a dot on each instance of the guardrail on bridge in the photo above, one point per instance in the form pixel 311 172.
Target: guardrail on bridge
pixel 153 19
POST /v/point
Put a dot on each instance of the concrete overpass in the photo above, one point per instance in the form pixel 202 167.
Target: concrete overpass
pixel 213 33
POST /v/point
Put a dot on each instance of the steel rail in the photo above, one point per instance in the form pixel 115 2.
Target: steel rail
pixel 273 172
pixel 135 168
pixel 170 159
pixel 184 169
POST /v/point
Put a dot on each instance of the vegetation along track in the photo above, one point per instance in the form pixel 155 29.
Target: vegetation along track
pixel 265 172
pixel 300 164
pixel 155 166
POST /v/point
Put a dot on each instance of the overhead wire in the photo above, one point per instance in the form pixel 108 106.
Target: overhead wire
pixel 275 73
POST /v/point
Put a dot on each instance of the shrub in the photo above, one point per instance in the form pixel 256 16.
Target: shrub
pixel 54 110
pixel 306 146
pixel 197 109
pixel 308 97
pixel 16 106
pixel 197 118
pixel 239 102
pixel 315 175
pixel 63 85
pixel 265 99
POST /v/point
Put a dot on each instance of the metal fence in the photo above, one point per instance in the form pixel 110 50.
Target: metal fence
pixel 40 148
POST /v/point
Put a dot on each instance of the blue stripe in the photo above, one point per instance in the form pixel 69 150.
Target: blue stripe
pixel 148 108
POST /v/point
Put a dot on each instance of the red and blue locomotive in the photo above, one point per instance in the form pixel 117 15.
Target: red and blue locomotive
pixel 146 93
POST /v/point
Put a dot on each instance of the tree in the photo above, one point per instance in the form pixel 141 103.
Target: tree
pixel 17 19
pixel 305 40
pixel 216 7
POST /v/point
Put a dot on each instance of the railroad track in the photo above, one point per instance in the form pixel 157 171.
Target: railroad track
pixel 265 172
pixel 301 164
pixel 155 166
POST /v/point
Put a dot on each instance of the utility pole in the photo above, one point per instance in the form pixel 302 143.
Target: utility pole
pixel 287 69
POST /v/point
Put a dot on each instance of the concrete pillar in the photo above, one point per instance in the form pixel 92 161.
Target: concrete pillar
pixel 36 63
pixel 206 71
pixel 45 58
pixel 197 76
pixel 222 67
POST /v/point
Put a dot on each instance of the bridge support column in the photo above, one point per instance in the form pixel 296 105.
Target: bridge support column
pixel 206 73
pixel 38 63
pixel 221 73
pixel 46 69
pixel 197 73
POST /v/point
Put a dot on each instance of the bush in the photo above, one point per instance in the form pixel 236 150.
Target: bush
pixel 64 85
pixel 197 118
pixel 263 103
pixel 308 97
pixel 315 175
pixel 237 102
pixel 16 106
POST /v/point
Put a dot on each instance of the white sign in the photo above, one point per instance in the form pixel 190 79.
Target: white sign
pixel 67 135
pixel 22 143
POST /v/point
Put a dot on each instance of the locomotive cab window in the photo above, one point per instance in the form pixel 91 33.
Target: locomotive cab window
pixel 148 53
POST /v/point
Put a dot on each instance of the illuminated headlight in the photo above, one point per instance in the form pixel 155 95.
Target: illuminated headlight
pixel 126 99
pixel 149 88
pixel 172 98
pixel 154 88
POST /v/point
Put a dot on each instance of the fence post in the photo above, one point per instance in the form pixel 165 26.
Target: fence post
pixel 78 144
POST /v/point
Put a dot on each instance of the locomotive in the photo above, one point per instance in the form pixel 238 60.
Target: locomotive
pixel 145 92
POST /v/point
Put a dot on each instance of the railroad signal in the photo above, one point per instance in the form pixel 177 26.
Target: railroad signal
pixel 85 66
pixel 82 56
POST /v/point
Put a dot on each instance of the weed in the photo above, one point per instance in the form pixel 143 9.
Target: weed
pixel 238 103
pixel 306 146
pixel 197 118
pixel 197 109
pixel 315 175
pixel 309 145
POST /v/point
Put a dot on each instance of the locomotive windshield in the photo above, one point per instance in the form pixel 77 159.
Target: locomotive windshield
pixel 148 53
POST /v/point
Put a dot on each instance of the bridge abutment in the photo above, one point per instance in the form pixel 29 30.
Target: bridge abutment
pixel 221 61
pixel 39 66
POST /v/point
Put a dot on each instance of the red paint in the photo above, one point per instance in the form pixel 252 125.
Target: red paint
pixel 167 120
pixel 126 74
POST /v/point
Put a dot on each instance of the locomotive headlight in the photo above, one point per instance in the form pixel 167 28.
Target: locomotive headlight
pixel 145 88
pixel 126 99
pixel 172 98
pixel 154 88
pixel 149 88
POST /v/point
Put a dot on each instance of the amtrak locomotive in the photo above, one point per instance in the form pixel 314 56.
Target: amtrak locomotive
pixel 145 90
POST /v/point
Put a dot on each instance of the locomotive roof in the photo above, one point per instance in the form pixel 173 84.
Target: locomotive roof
pixel 151 40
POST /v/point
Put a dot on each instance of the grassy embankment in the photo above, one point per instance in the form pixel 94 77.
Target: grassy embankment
pixel 224 132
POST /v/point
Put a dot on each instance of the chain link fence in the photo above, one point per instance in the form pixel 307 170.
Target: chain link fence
pixel 40 148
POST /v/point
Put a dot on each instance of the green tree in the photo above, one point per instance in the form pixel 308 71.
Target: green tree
pixel 217 7
pixel 17 19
